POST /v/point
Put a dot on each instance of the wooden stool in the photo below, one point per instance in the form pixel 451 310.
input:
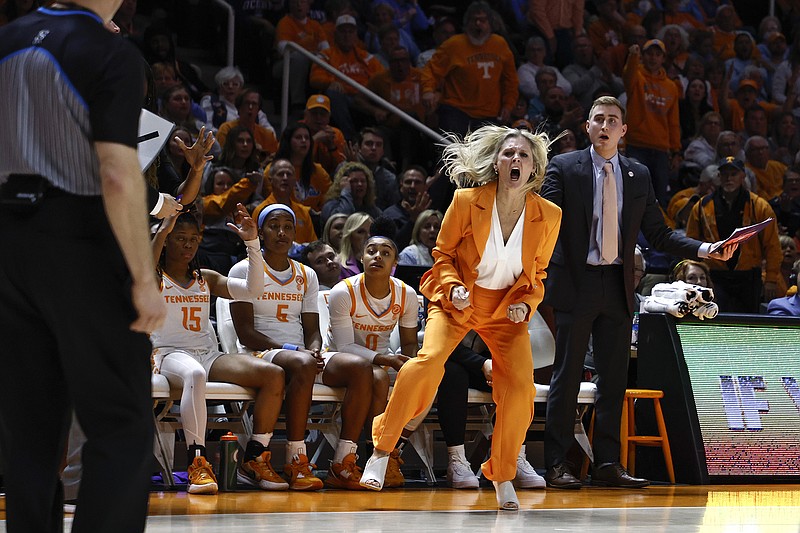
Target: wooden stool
pixel 628 439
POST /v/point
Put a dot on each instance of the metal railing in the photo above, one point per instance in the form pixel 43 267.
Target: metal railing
pixel 231 30
pixel 374 98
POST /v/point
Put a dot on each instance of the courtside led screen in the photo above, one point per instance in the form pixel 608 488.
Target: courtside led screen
pixel 731 395
pixel 745 382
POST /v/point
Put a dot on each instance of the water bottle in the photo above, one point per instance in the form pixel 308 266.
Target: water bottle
pixel 635 331
pixel 228 461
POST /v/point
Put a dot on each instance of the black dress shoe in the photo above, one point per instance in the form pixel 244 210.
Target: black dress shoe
pixel 559 477
pixel 613 475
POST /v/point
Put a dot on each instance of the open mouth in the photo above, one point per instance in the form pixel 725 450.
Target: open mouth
pixel 515 174
pixel 603 137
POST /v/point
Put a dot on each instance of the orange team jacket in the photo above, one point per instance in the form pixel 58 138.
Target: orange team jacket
pixel 479 80
pixel 763 249
pixel 308 34
pixel 314 197
pixel 653 115
pixel 304 229
pixel 264 138
pixel 356 63
pixel 462 240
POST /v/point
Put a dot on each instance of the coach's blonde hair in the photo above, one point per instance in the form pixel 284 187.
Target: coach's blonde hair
pixel 471 161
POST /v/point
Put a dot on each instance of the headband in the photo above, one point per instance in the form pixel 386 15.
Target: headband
pixel 262 216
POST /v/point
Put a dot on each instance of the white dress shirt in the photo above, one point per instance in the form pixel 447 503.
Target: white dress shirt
pixel 501 262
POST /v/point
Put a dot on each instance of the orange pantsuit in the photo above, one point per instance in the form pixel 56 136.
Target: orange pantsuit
pixel 462 239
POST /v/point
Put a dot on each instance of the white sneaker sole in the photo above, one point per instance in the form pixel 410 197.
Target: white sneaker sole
pixel 464 483
pixel 530 483
pixel 208 488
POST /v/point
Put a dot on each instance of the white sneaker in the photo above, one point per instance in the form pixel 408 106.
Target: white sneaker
pixel 460 475
pixel 527 478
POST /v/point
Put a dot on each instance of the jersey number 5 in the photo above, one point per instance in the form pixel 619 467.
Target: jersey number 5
pixel 191 318
pixel 280 314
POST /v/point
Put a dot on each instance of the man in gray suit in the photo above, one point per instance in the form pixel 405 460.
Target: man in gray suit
pixel 606 199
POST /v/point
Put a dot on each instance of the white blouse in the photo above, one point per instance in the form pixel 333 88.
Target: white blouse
pixel 501 263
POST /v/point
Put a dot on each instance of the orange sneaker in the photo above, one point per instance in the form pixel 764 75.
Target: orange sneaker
pixel 300 475
pixel 345 475
pixel 201 477
pixel 259 473
pixel 394 477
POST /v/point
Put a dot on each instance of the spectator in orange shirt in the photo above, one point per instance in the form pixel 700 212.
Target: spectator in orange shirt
pixel 401 85
pixel 726 21
pixel 769 173
pixel 615 56
pixel 559 21
pixel 248 104
pixel 298 28
pixel 283 181
pixel 472 78
pixel 672 15
pixel 329 142
pixel 654 135
pixel 352 61
pixel 732 109
pixel 606 30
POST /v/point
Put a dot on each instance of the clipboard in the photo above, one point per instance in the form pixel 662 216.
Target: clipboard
pixel 153 135
pixel 741 235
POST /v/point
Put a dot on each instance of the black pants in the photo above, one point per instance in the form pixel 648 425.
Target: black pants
pixel 65 311
pixel 453 393
pixel 602 312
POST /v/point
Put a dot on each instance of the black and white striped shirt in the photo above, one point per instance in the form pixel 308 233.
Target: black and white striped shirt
pixel 66 83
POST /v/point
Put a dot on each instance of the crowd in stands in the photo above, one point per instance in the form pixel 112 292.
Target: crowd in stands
pixel 712 96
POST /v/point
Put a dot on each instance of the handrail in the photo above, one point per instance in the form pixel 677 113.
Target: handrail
pixel 231 29
pixel 377 100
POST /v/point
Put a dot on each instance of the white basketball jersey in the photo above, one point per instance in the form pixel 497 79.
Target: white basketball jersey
pixel 374 319
pixel 187 326
pixel 286 296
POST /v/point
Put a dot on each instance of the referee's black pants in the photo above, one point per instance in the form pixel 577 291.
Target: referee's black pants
pixel 65 311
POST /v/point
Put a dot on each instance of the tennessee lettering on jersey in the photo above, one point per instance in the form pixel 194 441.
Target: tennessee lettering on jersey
pixel 281 296
pixel 187 299
pixel 372 327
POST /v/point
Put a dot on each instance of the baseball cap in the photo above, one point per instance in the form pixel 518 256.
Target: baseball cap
pixel 731 162
pixel 319 100
pixel 747 83
pixel 655 42
pixel 345 19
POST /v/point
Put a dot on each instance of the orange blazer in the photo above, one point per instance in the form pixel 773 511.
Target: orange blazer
pixel 462 240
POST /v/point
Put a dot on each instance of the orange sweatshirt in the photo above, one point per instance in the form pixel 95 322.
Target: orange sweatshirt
pixel 653 116
pixel 308 34
pixel 479 80
pixel 356 63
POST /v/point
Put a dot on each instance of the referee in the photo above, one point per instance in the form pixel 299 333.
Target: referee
pixel 77 286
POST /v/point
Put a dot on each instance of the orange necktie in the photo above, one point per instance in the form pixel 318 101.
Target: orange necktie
pixel 609 247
